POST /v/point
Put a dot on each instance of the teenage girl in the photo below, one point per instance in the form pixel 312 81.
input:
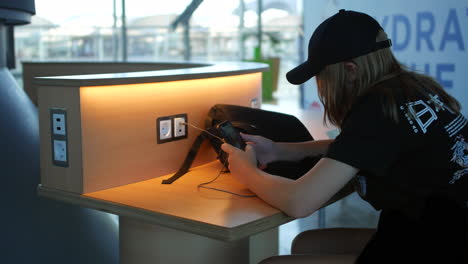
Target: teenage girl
pixel 402 140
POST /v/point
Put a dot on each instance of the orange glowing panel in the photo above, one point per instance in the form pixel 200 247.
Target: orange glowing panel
pixel 118 125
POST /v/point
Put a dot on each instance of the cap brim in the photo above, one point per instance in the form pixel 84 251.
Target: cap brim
pixel 301 73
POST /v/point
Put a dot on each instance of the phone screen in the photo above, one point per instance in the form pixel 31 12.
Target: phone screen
pixel 231 135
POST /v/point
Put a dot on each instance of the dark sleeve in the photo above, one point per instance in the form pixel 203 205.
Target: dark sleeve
pixel 368 141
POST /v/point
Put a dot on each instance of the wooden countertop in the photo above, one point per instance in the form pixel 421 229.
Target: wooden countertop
pixel 183 206
pixel 175 73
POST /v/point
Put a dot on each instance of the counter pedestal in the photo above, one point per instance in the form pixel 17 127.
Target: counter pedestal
pixel 142 242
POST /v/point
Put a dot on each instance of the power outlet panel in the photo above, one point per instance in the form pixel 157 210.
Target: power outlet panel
pixel 171 128
pixel 58 133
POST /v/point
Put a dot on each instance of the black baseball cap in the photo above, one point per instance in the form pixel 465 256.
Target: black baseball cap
pixel 344 36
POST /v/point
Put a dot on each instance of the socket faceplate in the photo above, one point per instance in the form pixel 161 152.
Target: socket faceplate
pixel 180 129
pixel 60 150
pixel 164 129
pixel 58 136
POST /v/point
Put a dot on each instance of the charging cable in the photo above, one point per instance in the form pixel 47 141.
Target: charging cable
pixel 203 185
pixel 204 130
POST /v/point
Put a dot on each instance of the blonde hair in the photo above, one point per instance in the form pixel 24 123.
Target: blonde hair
pixel 372 70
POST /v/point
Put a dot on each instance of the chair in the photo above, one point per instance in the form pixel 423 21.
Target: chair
pixel 330 245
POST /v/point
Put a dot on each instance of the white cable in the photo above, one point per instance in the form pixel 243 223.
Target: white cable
pixel 204 130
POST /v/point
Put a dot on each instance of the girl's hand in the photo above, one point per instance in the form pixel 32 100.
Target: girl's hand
pixel 241 163
pixel 265 149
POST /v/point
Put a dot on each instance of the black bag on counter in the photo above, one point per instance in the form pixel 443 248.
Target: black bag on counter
pixel 273 125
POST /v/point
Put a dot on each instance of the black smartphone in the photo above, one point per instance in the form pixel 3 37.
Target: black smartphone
pixel 231 135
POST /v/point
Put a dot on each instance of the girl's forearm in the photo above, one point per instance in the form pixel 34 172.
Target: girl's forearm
pixel 327 182
pixel 300 150
pixel 275 190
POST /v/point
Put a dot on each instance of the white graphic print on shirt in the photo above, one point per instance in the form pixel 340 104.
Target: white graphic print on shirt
pixel 460 158
pixel 418 110
pixel 439 105
pixel 421 114
pixel 424 115
pixel 456 125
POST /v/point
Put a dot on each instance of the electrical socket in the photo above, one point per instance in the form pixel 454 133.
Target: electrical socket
pixel 60 151
pixel 164 129
pixel 180 129
pixel 58 120
pixel 58 124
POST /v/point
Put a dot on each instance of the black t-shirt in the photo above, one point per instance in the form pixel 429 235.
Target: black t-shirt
pixel 409 169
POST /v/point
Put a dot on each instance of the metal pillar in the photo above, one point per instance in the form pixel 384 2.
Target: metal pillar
pixel 124 33
pixel 115 38
pixel 184 19
pixel 241 29
pixel 187 47
pixel 259 26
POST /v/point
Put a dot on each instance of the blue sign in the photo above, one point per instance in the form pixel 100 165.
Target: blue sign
pixel 429 36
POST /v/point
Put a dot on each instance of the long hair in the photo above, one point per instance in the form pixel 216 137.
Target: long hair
pixel 372 70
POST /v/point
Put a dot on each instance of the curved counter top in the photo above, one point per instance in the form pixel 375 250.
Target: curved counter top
pixel 184 71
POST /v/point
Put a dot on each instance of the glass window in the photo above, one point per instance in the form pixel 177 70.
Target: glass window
pixel 86 30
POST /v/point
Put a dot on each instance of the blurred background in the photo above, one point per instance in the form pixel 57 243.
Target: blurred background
pixel 141 30
pixel 428 35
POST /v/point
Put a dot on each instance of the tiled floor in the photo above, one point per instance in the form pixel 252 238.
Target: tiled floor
pixel 351 211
